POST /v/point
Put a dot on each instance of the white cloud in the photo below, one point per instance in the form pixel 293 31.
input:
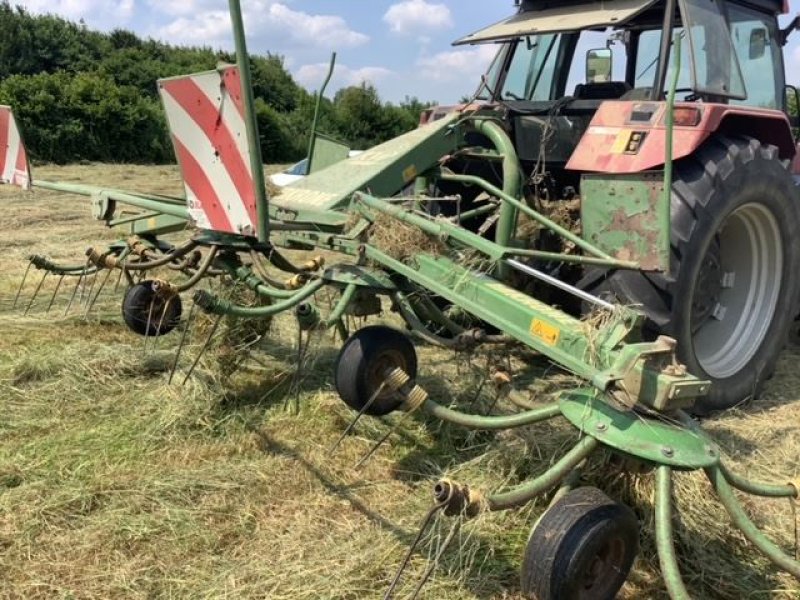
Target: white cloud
pixel 311 76
pixel 458 65
pixel 415 16
pixel 267 21
pixel 95 12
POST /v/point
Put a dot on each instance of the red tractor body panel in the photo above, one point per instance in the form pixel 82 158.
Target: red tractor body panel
pixel 630 136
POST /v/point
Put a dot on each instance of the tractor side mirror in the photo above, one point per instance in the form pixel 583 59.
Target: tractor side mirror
pixel 758 43
pixel 598 65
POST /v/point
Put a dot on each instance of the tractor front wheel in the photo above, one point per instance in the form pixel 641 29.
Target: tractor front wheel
pixel 732 295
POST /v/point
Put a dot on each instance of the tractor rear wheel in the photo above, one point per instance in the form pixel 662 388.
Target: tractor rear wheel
pixel 732 294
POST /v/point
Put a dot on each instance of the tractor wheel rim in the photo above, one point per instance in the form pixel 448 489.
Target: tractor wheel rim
pixel 751 256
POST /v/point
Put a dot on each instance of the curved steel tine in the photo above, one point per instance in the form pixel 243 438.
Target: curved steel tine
pixel 203 349
pixel 55 292
pixel 22 284
pixel 36 292
pixel 184 335
pixel 432 564
pixel 75 291
pixel 360 414
pixel 90 304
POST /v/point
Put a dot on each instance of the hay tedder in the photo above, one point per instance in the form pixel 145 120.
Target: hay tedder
pixel 640 232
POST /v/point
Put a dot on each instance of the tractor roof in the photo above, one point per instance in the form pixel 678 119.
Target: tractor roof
pixel 546 16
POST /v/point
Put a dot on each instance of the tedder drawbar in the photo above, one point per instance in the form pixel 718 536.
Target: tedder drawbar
pixel 639 232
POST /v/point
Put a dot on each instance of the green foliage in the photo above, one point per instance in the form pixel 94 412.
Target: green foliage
pixel 84 95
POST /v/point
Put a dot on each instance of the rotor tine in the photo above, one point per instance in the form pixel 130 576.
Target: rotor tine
pixel 203 349
pixel 374 448
pixel 161 320
pixel 360 414
pixel 423 527
pixel 91 288
pixel 53 297
pixel 75 291
pixel 149 321
pixel 435 562
pixel 22 284
pixel 36 292
pixel 90 304
pixel 184 335
pixel 119 279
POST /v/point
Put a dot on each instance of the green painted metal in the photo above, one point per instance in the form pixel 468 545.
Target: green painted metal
pixel 384 170
pixel 326 152
pixel 218 306
pixel 759 488
pixel 599 355
pixel 490 423
pixel 139 201
pixel 312 140
pixel 153 224
pixel 447 230
pixel 665 537
pixel 359 276
pixel 512 176
pixel 251 124
pixel 526 492
pixel 669 123
pixel 622 215
pixel 652 440
pixel 746 526
pixel 536 216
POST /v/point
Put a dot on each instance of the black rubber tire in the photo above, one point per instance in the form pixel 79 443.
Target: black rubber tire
pixel 582 548
pixel 136 310
pixel 362 361
pixel 723 176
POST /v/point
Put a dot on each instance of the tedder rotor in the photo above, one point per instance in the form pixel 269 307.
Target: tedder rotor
pixel 639 232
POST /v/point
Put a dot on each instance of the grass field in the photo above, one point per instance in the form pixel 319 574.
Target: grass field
pixel 114 484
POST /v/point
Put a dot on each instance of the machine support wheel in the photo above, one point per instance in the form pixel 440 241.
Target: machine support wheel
pixel 363 363
pixel 149 311
pixel 582 548
pixel 732 294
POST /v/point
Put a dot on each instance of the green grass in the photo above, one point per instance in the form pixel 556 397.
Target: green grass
pixel 114 483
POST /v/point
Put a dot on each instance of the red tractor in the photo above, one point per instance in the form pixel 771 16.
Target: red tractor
pixel 729 285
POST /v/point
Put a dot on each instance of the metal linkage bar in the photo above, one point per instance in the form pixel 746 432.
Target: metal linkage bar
pixel 560 284
pixel 665 537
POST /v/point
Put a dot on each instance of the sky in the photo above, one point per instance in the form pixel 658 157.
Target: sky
pixel 403 47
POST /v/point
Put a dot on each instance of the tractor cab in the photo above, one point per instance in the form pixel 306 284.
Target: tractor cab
pixel 559 62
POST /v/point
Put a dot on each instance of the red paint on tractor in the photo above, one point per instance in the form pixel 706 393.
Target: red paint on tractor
pixel 602 147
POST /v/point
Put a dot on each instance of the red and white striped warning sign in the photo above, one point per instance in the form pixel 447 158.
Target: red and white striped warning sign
pixel 205 113
pixel 14 167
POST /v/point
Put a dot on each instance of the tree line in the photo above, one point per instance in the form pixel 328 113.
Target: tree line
pixel 80 94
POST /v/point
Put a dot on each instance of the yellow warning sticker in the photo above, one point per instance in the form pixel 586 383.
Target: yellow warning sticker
pixel 621 143
pixel 409 173
pixel 545 332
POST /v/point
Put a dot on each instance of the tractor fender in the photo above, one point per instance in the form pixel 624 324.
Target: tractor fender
pixel 630 136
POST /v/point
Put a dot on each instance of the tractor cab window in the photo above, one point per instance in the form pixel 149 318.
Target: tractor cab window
pixel 532 72
pixel 647 62
pixel 754 40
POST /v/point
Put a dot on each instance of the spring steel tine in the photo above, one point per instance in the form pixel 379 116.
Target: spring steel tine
pixel 53 297
pixel 119 279
pixel 360 414
pixel 374 448
pixel 149 321
pixel 91 288
pixel 184 334
pixel 77 285
pixel 90 304
pixel 425 523
pixel 22 284
pixel 161 321
pixel 203 349
pixel 36 292
pixel 435 562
